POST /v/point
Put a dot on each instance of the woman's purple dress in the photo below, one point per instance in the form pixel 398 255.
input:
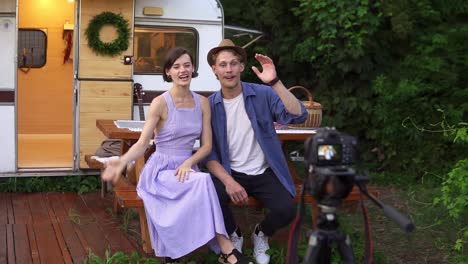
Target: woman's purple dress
pixel 181 216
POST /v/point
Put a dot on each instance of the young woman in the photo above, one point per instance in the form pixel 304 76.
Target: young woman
pixel 181 204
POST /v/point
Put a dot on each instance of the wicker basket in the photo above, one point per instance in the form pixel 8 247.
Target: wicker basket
pixel 314 110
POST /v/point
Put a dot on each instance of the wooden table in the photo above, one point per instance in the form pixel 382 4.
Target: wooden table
pixel 111 131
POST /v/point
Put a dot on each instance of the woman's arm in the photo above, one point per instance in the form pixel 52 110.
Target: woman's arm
pixel 114 168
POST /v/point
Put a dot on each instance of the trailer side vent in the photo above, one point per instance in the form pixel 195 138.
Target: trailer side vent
pixel 153 11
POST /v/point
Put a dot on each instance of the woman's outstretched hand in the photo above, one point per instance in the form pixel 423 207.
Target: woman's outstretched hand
pixel 112 171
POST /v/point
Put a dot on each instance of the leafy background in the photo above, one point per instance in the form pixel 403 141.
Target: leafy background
pixel 394 73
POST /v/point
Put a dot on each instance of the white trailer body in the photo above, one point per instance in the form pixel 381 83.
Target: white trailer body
pixel 53 86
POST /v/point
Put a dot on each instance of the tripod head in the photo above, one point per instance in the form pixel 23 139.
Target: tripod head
pixel 330 186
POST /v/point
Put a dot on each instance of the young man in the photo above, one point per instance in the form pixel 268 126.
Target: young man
pixel 247 158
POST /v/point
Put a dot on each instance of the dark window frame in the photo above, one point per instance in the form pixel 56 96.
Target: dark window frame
pixel 21 46
pixel 162 29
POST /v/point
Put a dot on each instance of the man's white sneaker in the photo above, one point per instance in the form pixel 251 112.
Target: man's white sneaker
pixel 237 241
pixel 260 243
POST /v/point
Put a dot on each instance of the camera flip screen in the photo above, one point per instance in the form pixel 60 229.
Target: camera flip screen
pixel 329 154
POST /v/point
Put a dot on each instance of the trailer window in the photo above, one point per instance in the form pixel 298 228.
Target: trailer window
pixel 32 48
pixel 152 44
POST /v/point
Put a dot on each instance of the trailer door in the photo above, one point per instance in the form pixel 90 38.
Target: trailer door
pixel 104 83
pixel 44 85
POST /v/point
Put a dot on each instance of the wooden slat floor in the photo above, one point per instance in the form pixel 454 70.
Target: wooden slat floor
pixel 58 228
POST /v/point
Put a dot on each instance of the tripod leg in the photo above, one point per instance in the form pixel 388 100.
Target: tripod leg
pixel 344 247
pixel 318 250
pixel 315 212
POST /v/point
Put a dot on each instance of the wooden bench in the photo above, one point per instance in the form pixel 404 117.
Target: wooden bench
pixel 94 164
pixel 127 197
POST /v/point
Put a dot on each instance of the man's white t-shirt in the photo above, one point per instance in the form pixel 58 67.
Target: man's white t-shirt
pixel 245 153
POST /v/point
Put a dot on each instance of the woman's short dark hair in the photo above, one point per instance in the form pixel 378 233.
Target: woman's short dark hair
pixel 171 57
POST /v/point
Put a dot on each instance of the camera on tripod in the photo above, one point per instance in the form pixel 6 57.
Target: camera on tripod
pixel 328 156
pixel 331 148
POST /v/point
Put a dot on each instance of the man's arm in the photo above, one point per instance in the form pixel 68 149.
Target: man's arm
pixel 235 191
pixel 268 75
pixel 290 101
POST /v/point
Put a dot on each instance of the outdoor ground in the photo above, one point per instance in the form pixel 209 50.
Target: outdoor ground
pixel 425 245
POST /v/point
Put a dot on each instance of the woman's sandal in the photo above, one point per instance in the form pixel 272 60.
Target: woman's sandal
pixel 241 259
pixel 168 260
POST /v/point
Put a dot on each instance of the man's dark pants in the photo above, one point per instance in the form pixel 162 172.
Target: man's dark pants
pixel 267 189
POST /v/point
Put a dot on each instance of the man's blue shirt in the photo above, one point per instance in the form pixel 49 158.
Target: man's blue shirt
pixel 263 107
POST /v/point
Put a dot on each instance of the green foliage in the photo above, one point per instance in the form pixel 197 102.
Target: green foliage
pixel 339 31
pixel 80 184
pixel 433 218
pixel 432 77
pixel 339 42
pixel 455 187
pixel 383 70
pixel 115 47
pixel 127 217
pixel 278 254
pixel 372 65
pixel 455 190
pixel 118 258
pixel 280 27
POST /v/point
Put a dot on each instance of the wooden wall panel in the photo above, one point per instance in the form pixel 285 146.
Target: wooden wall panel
pixel 8 6
pixel 101 100
pixel 92 65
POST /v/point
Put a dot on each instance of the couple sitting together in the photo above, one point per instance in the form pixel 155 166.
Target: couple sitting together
pixel 186 208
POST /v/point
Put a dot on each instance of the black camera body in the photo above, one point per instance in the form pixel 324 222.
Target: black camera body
pixel 330 147
pixel 327 156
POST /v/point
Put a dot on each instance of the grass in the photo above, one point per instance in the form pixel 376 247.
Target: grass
pixel 432 241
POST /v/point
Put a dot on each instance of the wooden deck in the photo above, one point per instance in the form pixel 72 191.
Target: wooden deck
pixel 59 228
pixel 65 227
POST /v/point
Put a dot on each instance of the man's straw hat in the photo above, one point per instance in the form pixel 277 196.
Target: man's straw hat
pixel 226 44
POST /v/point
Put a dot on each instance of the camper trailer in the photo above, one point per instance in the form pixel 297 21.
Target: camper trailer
pixel 55 82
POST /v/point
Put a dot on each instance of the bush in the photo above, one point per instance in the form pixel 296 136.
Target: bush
pixel 80 184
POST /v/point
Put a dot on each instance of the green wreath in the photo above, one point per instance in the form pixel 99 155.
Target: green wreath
pixel 108 48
